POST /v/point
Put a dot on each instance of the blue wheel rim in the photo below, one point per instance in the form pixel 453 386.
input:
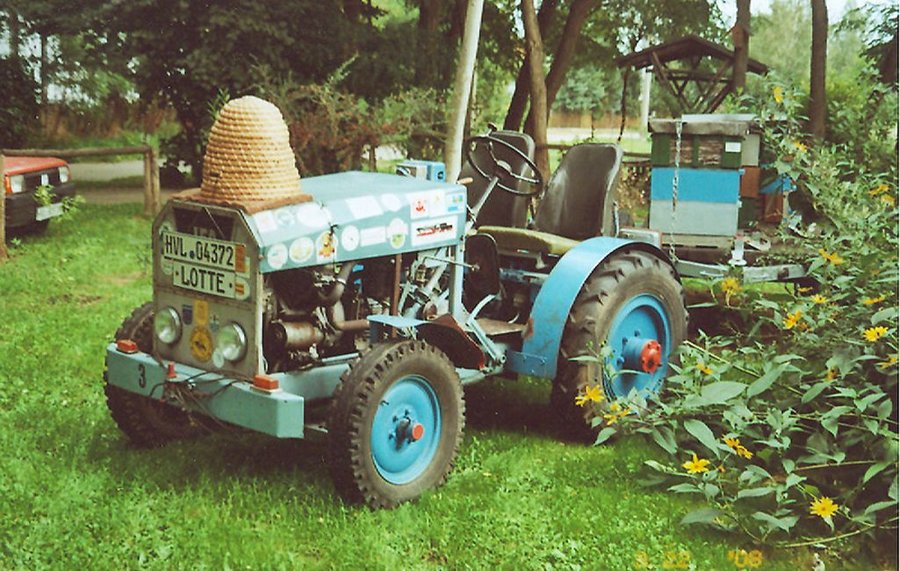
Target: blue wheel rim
pixel 643 318
pixel 409 402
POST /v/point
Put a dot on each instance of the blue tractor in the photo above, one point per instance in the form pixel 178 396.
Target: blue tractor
pixel 363 311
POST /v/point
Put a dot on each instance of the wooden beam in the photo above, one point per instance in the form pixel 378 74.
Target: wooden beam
pixel 662 74
pixel 73 153
pixel 720 97
pixel 720 76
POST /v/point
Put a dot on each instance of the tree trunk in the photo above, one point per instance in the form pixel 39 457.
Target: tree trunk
pixel 428 40
pixel 817 61
pixel 44 82
pixel 15 35
pixel 4 255
pixel 534 50
pixel 565 51
pixel 740 35
pixel 519 102
pixel 465 72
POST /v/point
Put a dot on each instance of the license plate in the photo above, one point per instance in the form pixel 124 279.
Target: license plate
pixel 206 280
pixel 49 211
pixel 202 251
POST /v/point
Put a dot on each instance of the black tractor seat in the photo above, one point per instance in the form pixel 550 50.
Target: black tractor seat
pixel 577 205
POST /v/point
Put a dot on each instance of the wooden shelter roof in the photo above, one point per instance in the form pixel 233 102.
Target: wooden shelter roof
pixel 685 48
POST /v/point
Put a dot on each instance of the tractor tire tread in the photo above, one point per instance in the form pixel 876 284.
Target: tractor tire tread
pixel 578 336
pixel 367 378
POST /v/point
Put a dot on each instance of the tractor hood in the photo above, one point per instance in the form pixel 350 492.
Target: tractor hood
pixel 357 215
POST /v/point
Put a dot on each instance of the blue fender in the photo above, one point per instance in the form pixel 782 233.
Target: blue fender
pixel 554 301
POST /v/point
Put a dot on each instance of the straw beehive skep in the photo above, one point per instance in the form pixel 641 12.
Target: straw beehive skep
pixel 249 163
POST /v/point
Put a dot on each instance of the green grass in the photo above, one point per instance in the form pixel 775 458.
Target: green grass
pixel 74 493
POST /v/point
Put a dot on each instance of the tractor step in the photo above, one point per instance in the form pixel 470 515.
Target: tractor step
pixel 495 327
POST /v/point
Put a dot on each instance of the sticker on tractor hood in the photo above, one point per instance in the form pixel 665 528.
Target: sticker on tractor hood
pixel 434 230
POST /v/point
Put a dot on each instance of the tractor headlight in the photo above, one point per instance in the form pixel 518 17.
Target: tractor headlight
pixel 232 342
pixel 16 183
pixel 63 175
pixel 167 325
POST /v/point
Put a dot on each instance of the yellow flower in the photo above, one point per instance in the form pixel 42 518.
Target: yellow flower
pixel 778 94
pixel 703 368
pixel 832 258
pixel 874 300
pixel 739 449
pixel 873 334
pixel 831 374
pixel 696 466
pixel 721 468
pixel 819 299
pixel 730 286
pixel 880 189
pixel 615 413
pixel 804 289
pixel 800 146
pixel 887 199
pixel 591 394
pixel 891 361
pixel 792 319
pixel 823 507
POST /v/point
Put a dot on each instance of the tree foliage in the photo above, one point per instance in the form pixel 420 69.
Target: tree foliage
pixel 19 113
pixel 189 50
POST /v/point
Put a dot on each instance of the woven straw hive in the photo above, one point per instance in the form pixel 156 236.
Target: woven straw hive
pixel 249 163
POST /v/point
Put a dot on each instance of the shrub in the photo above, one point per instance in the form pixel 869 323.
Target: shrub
pixel 788 431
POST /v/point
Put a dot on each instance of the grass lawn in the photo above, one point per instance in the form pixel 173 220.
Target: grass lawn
pixel 74 494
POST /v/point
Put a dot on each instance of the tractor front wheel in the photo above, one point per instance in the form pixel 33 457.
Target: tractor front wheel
pixel 147 422
pixel 633 303
pixel 396 424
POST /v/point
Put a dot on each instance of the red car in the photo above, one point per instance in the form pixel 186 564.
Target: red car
pixel 21 178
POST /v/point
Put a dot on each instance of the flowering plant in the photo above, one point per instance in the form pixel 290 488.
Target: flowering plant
pixel 788 428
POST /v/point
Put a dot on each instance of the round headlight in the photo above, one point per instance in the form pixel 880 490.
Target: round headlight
pixel 167 325
pixel 63 175
pixel 232 342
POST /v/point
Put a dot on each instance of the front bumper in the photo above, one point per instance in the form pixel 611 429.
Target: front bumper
pixel 21 208
pixel 279 413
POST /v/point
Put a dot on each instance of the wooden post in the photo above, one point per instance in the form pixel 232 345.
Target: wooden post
pixel 148 184
pixel 155 198
pixel 4 255
pixel 373 162
pixel 157 194
pixel 740 35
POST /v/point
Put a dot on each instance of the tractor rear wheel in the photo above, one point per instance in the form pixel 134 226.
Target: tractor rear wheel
pixel 634 303
pixel 147 422
pixel 396 424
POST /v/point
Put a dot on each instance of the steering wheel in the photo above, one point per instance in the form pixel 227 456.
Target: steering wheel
pixel 502 168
